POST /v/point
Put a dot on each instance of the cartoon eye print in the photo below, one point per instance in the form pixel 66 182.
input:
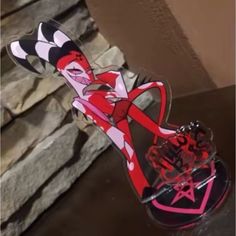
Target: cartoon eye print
pixel 75 71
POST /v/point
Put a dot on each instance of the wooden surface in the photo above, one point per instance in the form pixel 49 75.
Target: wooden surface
pixel 103 203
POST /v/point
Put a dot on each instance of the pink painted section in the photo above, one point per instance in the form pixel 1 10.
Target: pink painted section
pixel 93 108
pixel 200 210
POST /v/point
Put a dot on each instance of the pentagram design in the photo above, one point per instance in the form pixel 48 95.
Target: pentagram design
pixel 184 190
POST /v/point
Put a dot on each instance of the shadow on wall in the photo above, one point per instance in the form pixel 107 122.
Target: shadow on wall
pixel 172 39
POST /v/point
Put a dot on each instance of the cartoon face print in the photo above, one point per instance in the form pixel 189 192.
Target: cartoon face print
pixel 75 66
pixel 77 73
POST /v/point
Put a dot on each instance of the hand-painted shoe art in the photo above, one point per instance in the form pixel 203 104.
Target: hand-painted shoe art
pixel 187 179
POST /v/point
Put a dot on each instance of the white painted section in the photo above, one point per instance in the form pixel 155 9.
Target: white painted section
pixel 78 106
pixel 60 38
pixel 117 137
pixel 40 34
pixel 42 49
pixel 17 50
pixel 129 150
pixel 130 165
pixel 159 83
pixel 167 131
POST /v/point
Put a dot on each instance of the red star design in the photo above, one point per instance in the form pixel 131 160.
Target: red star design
pixel 185 190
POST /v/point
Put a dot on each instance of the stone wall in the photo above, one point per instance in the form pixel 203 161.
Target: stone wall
pixel 44 149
